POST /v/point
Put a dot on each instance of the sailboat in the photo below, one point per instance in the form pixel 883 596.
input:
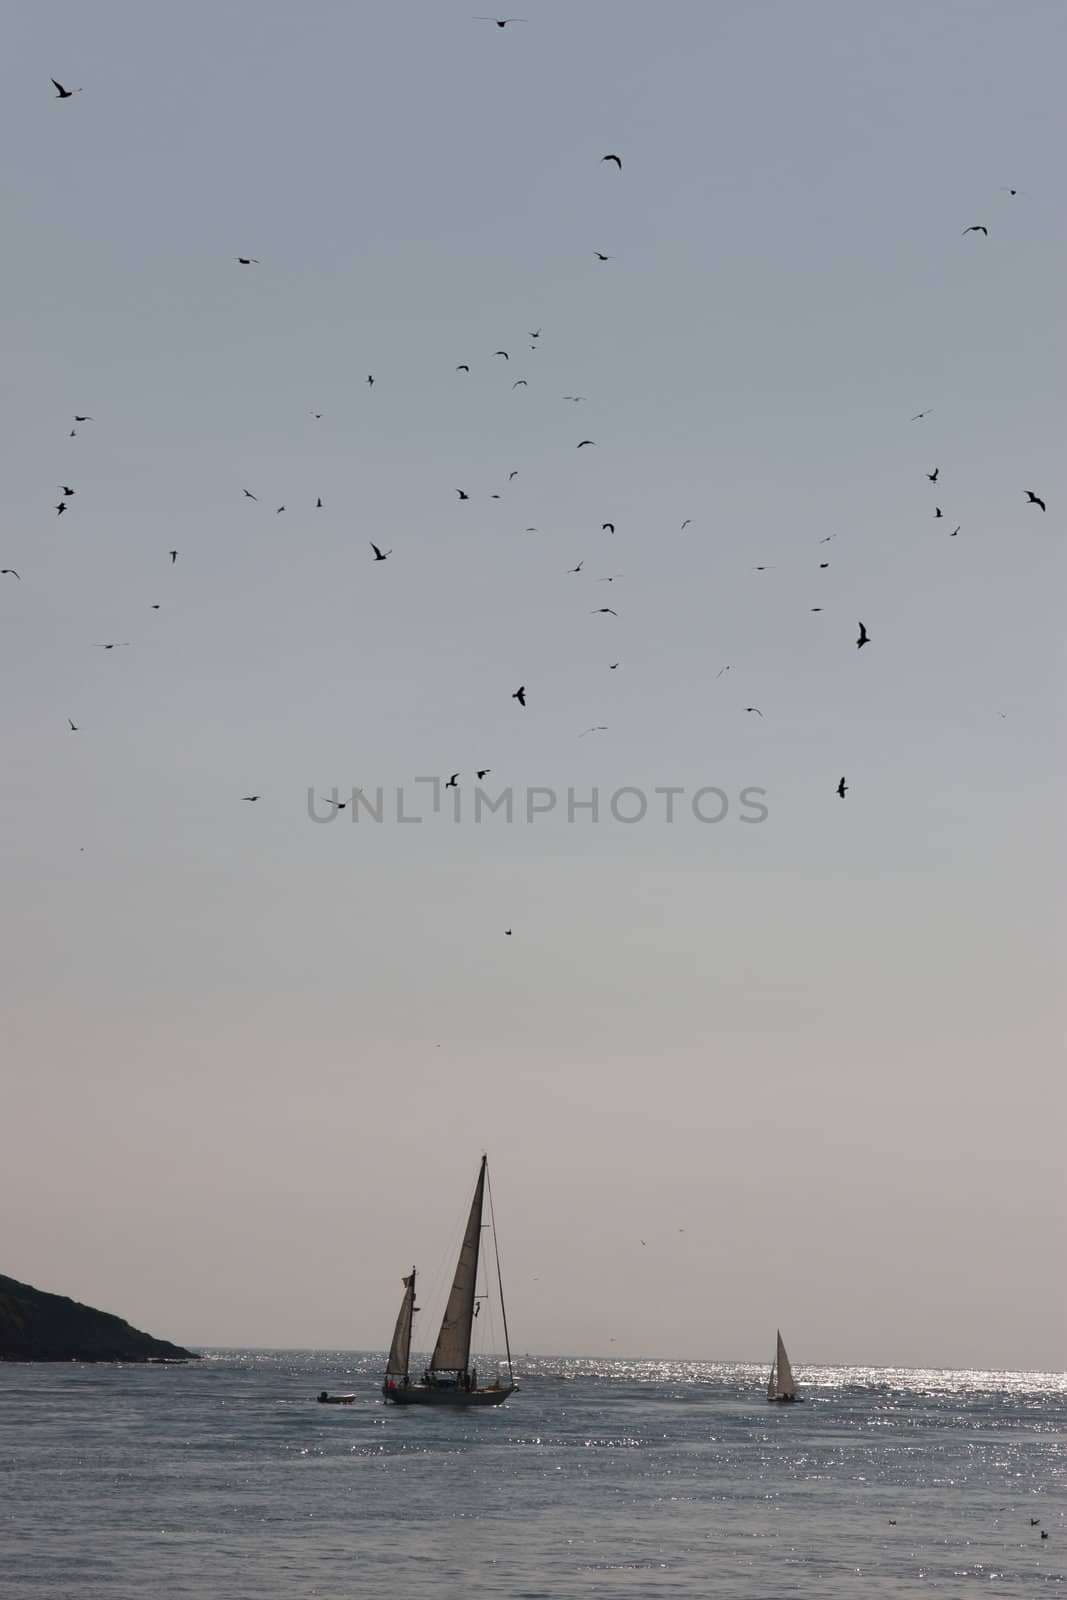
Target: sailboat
pixel 450 1380
pixel 780 1385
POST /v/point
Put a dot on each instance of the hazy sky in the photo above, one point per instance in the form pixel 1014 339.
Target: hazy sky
pixel 252 1061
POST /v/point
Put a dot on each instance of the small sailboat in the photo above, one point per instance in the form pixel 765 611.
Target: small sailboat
pixel 450 1379
pixel 780 1385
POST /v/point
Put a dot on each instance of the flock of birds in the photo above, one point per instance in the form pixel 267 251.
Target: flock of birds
pixel 380 555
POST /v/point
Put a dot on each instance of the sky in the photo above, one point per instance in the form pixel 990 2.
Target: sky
pixel 814 1061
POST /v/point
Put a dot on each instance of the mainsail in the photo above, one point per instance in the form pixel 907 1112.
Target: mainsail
pixel 400 1349
pixel 453 1346
pixel 786 1386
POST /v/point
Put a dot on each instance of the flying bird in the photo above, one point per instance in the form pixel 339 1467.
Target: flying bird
pixel 60 508
pixel 513 474
pixel 721 671
pixel 1034 499
pixel 484 773
pixel 507 933
pixel 685 524
pixel 829 536
pixel 976 227
pixel 601 727
pixel 67 490
pixel 575 397
pixel 249 495
pixel 318 504
pixel 933 475
pixel 9 572
pixel 616 160
pixel 501 22
pixel 584 442
pixel 919 415
pixel 83 419
pixel 279 510
pixel 536 335
pixel 520 383
pixel 955 530
pixel 173 556
pixel 118 645
pixel 763 569
pixel 250 797
pixel 603 611
pixel 248 261
pixel 612 665
pixel 608 527
pixel 612 578
pixel 370 379
pixel 938 512
pixel 600 257
pixel 73 726
pixel 61 93
pixel 316 414
pixel 1035 1522
pixel 379 555
pixel 823 565
pixel 502 353
pixel 578 568
pixel 453 782
pixel 756 709
pixel 864 637
pixel 463 367
pixel 520 694
pixel 463 494
pixel 842 788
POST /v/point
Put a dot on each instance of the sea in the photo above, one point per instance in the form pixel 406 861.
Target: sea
pixel 224 1479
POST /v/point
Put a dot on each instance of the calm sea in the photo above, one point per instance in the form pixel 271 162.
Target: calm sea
pixel 611 1479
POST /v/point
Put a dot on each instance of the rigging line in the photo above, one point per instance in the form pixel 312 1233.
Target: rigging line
pixel 499 1279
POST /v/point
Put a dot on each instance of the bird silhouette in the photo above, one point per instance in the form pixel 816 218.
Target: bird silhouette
pixel 278 510
pixel 577 398
pixel 370 380
pixel 520 383
pixel 823 565
pixel 9 572
pixel 536 335
pixel 608 527
pixel 60 508
pixel 977 227
pixel 463 367
pixel 318 504
pixel 502 353
pixel 612 665
pixel 73 726
pixel 463 494
pixel 1044 1533
pixel 863 639
pixel 584 442
pixel 603 611
pixel 380 555
pixel 616 160
pixel 249 495
pixel 685 524
pixel 513 474
pixel 453 782
pixel 248 261
pixel 173 556
pixel 1034 499
pixel 601 727
pixel 612 578
pixel 756 709
pixel 1035 1522
pixel 501 22
pixel 117 645
pixel 600 257
pixel 64 94
pixel 578 568
pixel 520 694
pixel 933 475
pixel 842 788
pixel 938 512
pixel 763 569
pixel 83 419
pixel 250 797
pixel 67 490
pixel 507 933
pixel 316 414
pixel 483 773
pixel 919 415
pixel 955 530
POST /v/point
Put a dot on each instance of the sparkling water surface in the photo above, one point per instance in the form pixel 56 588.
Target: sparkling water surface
pixel 225 1478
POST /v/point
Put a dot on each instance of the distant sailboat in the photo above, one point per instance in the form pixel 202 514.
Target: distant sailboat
pixel 450 1380
pixel 780 1385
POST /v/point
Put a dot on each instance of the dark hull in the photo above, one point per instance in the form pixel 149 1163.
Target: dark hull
pixel 424 1394
pixel 786 1400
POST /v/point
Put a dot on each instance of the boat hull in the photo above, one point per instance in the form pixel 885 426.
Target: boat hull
pixel 424 1394
pixel 785 1400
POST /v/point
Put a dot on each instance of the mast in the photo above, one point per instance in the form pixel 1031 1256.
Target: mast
pixel 453 1347
pixel 499 1279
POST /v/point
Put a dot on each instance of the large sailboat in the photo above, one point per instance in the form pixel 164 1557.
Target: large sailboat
pixel 450 1379
pixel 780 1385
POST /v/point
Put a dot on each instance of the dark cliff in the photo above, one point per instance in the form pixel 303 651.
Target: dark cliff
pixel 35 1326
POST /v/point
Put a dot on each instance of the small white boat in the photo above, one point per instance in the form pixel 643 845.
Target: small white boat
pixel 781 1387
pixel 325 1399
pixel 450 1379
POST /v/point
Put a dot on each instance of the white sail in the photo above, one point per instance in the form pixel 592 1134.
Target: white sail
pixel 786 1386
pixel 400 1349
pixel 453 1346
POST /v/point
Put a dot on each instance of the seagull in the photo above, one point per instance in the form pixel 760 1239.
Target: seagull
pixel 816 608
pixel 601 727
pixel 60 508
pixel 575 397
pixel 919 415
pixel 513 474
pixel 73 726
pixel 249 495
pixel 536 335
pixel 501 22
pixel 763 569
pixel 520 694
pixel 67 490
pixel 453 782
pixel 842 788
pixel 83 419
pixel 933 475
pixel 118 645
pixel 248 261
pixel 1034 499
pixel 612 665
pixel 316 414
pixel 1044 1534
pixel 507 933
pixel 502 353
pixel 603 611
pixel 686 523
pixel 829 536
pixel 484 773
pixel 955 530
pixel 520 383
pixel 976 227
pixel 64 94
pixel 863 639
pixel 9 572
pixel 370 379
pixel 318 504
pixel 463 494
pixel 616 160
pixel 823 565
pixel 938 512
pixel 173 556
pixel 380 555
pixel 1035 1522
pixel 612 578
pixel 601 257
pixel 250 797
pixel 756 709
pixel 608 527
pixel 721 671
pixel 578 568
pixel 585 442
pixel 463 367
